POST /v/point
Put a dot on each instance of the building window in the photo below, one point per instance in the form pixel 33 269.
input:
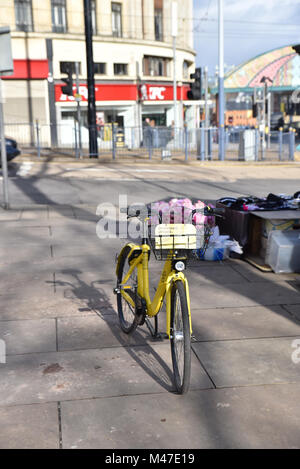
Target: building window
pixel 155 66
pixel 158 20
pixel 59 16
pixel 185 70
pixel 94 16
pixel 23 12
pixel 116 18
pixel 120 69
pixel 65 65
pixel 100 68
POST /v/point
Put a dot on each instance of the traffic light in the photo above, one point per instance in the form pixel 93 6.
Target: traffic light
pixel 297 49
pixel 254 110
pixel 195 91
pixel 68 68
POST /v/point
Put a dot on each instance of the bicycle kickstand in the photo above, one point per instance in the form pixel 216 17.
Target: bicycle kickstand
pixel 154 330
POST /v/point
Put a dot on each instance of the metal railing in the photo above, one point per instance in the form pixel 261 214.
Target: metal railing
pixel 153 143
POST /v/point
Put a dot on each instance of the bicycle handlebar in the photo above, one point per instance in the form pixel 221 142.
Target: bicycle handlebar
pixel 140 209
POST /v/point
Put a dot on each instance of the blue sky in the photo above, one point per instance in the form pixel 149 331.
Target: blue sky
pixel 251 27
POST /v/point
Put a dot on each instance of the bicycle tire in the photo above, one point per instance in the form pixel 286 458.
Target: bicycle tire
pixel 180 338
pixel 127 316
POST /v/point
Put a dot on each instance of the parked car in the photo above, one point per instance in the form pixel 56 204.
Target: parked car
pixel 11 149
pixel 277 121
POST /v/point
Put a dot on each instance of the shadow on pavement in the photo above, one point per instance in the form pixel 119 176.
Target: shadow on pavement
pixel 97 300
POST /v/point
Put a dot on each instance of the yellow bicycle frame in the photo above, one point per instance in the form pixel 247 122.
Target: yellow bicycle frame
pixel 168 277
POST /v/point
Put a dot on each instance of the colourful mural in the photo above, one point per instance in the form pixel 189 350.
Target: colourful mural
pixel 280 65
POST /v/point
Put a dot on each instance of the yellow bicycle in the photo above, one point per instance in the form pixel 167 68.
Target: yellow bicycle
pixel 174 243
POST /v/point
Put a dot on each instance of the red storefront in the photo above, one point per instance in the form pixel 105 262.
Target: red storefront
pixel 119 102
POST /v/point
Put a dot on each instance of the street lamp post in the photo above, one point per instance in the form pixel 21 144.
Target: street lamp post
pixel 93 144
pixel 174 35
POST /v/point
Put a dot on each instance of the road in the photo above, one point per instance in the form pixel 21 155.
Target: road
pixel 87 183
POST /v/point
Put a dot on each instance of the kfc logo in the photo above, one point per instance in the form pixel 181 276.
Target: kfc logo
pixel 156 93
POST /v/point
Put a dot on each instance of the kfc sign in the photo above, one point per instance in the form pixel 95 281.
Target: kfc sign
pixel 157 93
pixel 123 92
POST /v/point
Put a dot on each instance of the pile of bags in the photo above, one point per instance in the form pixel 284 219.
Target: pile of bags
pixel 179 211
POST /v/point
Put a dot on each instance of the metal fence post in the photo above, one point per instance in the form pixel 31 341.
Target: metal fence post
pixel 263 145
pixel 256 143
pixel 186 142
pixel 76 141
pixel 38 144
pixel 210 143
pixel 280 142
pixel 221 143
pixel 149 129
pixel 113 142
pixel 292 144
pixel 202 143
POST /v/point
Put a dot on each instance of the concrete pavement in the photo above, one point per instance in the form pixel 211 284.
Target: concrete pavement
pixel 73 380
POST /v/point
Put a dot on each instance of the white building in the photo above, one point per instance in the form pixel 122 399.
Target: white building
pixel 133 55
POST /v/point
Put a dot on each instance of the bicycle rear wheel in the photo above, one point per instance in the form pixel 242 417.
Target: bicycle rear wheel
pixel 127 313
pixel 180 338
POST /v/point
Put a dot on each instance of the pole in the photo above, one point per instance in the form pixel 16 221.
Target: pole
pixel 38 141
pixel 78 109
pixel 93 144
pixel 269 119
pixel 3 153
pixel 174 35
pixel 206 111
pixel 221 82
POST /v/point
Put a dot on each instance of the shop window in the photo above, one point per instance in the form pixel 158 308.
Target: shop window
pixel 120 69
pixel 155 66
pixel 65 65
pixel 100 68
pixel 23 13
pixel 158 20
pixel 59 16
pixel 116 18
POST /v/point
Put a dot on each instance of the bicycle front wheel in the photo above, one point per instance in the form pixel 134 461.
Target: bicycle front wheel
pixel 180 338
pixel 127 313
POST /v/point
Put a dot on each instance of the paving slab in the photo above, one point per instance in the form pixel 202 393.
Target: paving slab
pixel 35 213
pixel 28 283
pixel 29 427
pixel 10 215
pixel 213 275
pixel 28 336
pixel 243 323
pixel 65 213
pixel 36 378
pixel 74 231
pixel 20 253
pixel 24 235
pixel 89 332
pixel 249 362
pixel 253 274
pixel 94 288
pixel 294 310
pixel 254 417
pixel 78 250
pixel 243 294
pixel 46 307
